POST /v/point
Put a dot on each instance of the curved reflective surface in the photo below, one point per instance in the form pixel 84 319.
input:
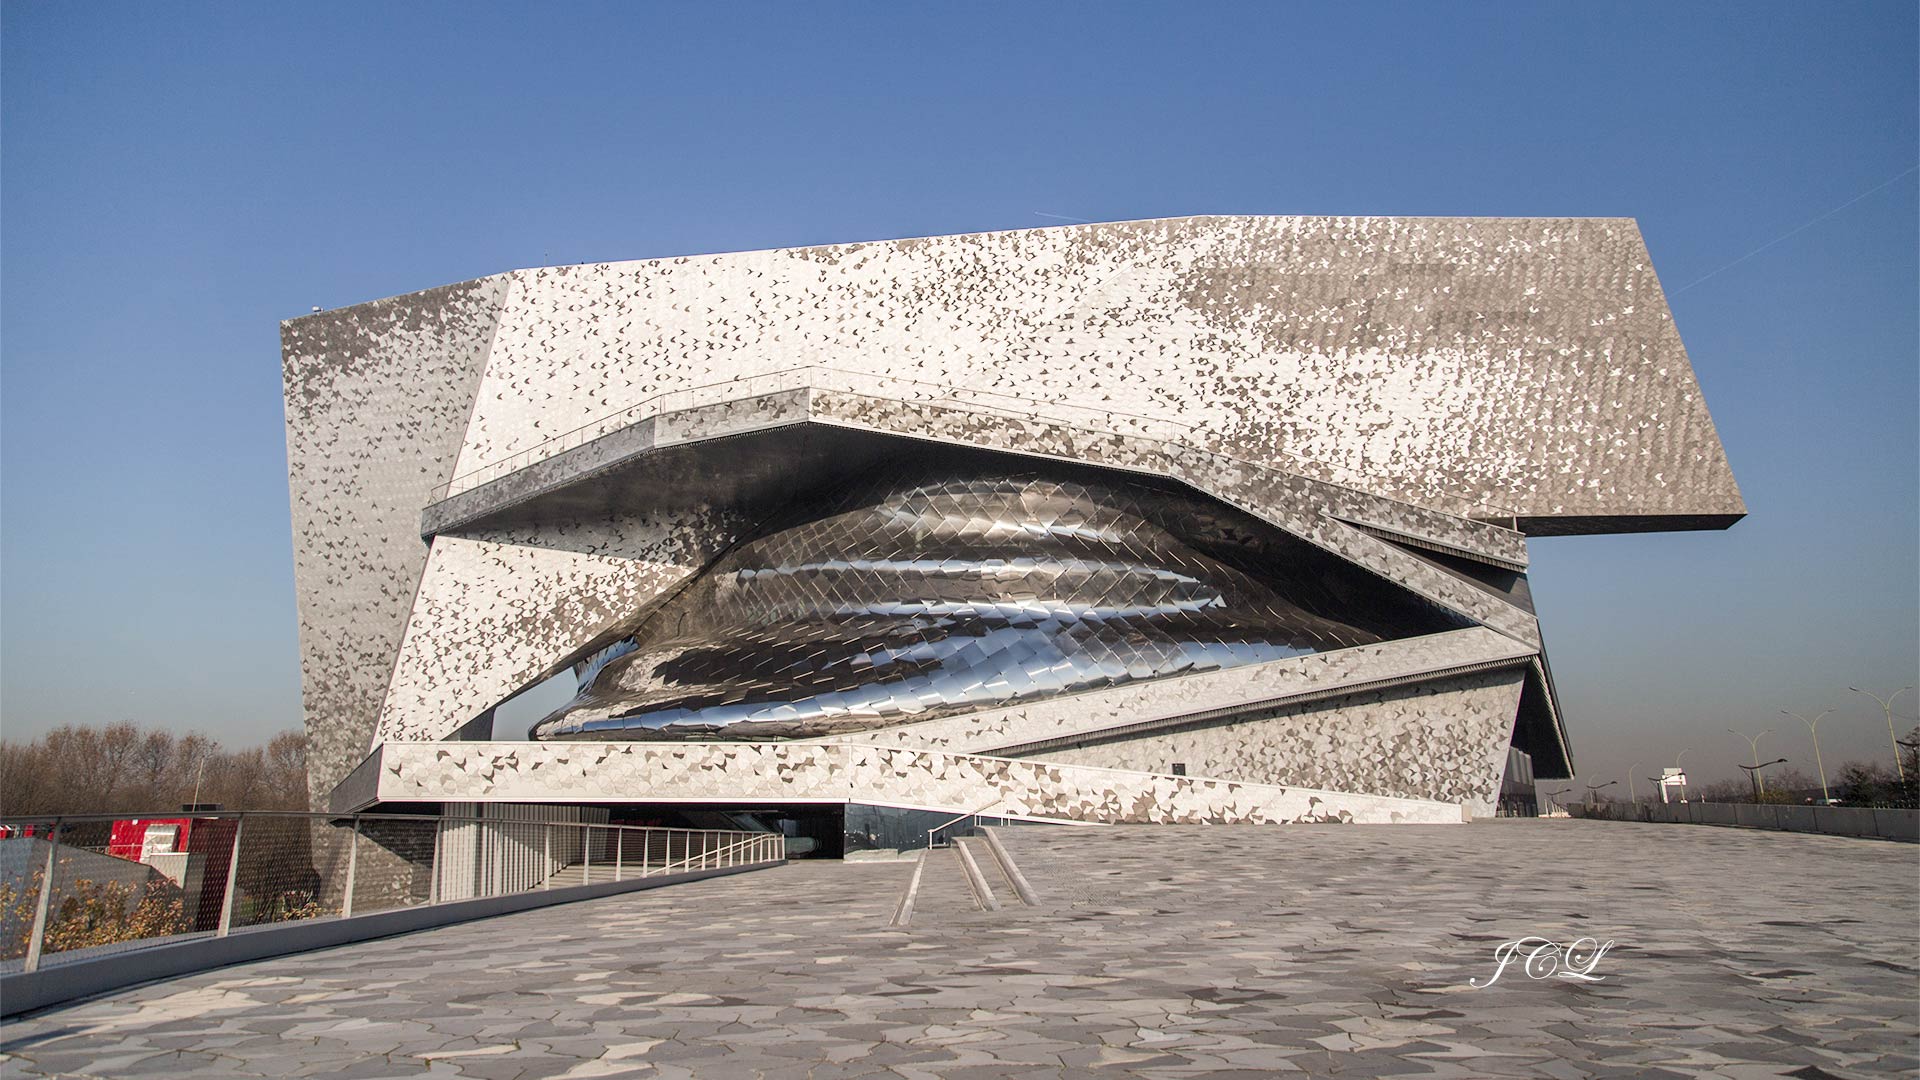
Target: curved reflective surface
pixel 913 599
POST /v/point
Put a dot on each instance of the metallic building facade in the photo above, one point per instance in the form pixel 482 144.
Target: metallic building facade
pixel 1203 519
pixel 915 598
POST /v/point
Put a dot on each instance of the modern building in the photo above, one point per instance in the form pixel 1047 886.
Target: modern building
pixel 1211 519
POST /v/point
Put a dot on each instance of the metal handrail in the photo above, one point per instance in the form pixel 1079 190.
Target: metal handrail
pixel 144 815
pixel 148 815
pixel 552 446
pixel 974 814
pixel 752 839
pixel 500 857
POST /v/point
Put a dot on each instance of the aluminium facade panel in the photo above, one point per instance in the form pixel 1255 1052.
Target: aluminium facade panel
pixel 378 398
pixel 1409 396
pixel 1506 366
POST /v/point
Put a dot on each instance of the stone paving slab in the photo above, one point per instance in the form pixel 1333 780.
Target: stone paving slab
pixel 1157 951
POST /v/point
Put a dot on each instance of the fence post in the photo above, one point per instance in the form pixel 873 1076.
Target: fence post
pixel 619 835
pixel 353 863
pixel 546 865
pixel 496 838
pixel 233 878
pixel 39 935
pixel 586 854
pixel 433 881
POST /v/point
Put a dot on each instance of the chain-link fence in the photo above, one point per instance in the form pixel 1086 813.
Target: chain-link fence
pixel 75 888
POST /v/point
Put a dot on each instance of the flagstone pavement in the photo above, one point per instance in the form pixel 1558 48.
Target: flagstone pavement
pixel 1155 952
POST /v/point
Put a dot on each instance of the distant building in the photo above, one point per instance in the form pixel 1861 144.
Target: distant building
pixel 1213 519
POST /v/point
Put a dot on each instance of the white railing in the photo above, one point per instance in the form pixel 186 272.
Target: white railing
pixel 972 815
pixel 78 887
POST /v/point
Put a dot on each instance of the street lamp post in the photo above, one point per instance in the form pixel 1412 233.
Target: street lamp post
pixel 1679 768
pixel 1632 770
pixel 1591 788
pixel 1886 703
pixel 1753 774
pixel 1813 726
pixel 1754 741
pixel 1553 797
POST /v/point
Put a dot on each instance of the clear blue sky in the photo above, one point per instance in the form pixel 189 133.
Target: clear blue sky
pixel 176 179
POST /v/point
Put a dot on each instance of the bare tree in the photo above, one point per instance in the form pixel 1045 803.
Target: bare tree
pixel 123 769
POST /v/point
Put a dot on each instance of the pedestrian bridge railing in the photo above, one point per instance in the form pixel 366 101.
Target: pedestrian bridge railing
pixel 78 888
pixel 1878 822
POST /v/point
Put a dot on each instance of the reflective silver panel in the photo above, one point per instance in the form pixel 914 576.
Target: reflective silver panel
pixel 913 598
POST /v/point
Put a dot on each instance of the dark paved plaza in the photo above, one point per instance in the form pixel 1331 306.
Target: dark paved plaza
pixel 1155 951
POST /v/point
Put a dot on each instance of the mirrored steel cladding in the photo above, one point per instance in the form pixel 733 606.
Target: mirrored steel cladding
pixel 916 598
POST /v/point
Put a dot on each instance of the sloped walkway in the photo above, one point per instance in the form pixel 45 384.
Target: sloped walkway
pixel 1156 951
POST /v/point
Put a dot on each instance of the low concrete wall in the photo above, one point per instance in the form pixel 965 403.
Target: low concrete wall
pixel 1867 821
pixel 58 983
